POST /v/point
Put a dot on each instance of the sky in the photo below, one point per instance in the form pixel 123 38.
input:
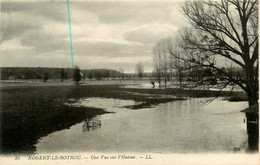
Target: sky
pixel 105 34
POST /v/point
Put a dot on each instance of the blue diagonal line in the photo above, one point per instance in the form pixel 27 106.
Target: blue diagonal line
pixel 70 34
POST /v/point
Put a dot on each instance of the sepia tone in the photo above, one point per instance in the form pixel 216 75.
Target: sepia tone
pixel 160 77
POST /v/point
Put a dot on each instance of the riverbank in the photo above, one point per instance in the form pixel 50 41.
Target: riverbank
pixel 30 112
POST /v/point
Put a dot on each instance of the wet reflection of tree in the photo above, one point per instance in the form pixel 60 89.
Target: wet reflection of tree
pixel 91 124
pixel 252 122
pixel 252 142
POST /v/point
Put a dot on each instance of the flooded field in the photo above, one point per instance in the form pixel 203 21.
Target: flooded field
pixel 193 125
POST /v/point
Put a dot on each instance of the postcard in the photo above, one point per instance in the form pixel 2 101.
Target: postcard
pixel 129 82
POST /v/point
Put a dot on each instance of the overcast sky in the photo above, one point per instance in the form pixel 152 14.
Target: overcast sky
pixel 113 35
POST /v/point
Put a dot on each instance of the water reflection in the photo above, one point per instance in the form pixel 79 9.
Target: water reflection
pixel 91 124
pixel 174 127
pixel 253 135
pixel 253 141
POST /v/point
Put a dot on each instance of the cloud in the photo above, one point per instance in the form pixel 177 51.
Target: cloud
pixel 16 23
pixel 109 49
pixel 54 10
pixel 13 44
pixel 150 33
pixel 130 12
pixel 44 42
pixel 19 17
pixel 104 34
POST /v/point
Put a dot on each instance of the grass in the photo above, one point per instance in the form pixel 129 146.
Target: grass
pixel 30 112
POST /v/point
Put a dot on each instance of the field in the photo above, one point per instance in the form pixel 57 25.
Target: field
pixel 29 112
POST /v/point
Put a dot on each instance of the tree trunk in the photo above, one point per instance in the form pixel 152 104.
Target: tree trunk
pixel 252 97
pixel 251 86
pixel 252 118
pixel 165 81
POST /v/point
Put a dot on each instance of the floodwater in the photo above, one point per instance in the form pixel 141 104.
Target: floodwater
pixel 189 126
pixel 148 85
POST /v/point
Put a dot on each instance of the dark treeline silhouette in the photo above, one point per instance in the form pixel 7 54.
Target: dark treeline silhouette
pixel 8 73
pixel 102 74
pixel 55 73
pixel 34 73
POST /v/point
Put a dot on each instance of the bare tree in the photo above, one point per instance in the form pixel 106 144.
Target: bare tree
pixel 166 64
pixel 90 74
pixel 122 75
pixel 139 69
pixel 162 60
pixel 107 74
pixel 157 64
pixel 62 74
pixel 229 30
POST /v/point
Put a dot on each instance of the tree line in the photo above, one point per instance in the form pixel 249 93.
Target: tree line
pixel 220 46
pixel 56 73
